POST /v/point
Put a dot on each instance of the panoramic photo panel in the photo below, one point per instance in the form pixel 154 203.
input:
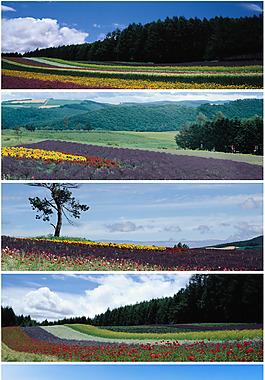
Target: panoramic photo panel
pixel 132 317
pixel 130 372
pixel 132 226
pixel 141 135
pixel 132 44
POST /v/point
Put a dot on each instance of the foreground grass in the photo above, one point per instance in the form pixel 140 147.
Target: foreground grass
pixel 154 141
pixel 8 355
pixel 13 260
pixel 222 335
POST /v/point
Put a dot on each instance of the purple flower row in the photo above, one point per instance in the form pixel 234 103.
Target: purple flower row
pixel 39 334
pixel 19 82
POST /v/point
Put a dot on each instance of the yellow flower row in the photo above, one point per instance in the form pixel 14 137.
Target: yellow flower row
pixel 99 244
pixel 39 154
pixel 121 83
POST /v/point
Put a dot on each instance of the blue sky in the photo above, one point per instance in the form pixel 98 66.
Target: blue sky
pixel 27 24
pixel 133 96
pixel 165 213
pixel 55 296
pixel 130 372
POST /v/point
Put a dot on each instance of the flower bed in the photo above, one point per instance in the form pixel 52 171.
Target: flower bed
pixel 133 164
pixel 122 76
pixel 239 351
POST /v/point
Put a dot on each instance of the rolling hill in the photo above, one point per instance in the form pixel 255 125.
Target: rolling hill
pixel 143 117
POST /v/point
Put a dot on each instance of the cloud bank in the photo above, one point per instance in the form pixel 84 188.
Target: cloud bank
pixel 26 34
pixel 109 291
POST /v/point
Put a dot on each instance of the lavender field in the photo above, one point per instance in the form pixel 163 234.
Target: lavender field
pixel 132 164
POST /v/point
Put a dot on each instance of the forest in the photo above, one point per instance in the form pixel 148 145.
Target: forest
pixel 173 40
pixel 223 135
pixel 142 117
pixel 206 299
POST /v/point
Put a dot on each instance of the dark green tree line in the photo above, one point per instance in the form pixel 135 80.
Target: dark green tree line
pixel 223 135
pixel 173 40
pixel 9 318
pixel 207 298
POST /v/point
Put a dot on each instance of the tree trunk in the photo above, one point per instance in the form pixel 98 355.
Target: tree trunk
pixel 59 221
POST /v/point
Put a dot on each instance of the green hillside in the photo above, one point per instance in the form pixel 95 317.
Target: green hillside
pixel 156 116
pixel 255 243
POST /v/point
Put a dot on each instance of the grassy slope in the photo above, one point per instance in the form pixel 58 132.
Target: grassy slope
pixel 156 141
pixel 8 355
pixel 255 243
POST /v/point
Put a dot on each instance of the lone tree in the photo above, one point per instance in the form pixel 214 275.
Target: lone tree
pixel 60 201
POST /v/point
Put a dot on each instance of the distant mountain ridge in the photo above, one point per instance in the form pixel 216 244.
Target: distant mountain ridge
pixel 154 116
pixel 255 243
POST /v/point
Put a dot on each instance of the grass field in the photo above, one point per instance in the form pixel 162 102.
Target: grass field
pixel 155 141
pixel 8 355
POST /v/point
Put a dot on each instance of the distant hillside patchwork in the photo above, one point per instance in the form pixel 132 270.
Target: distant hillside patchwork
pixel 155 116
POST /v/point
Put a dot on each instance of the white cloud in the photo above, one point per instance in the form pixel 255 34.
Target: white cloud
pixel 172 229
pixel 4 8
pixel 101 36
pixel 203 229
pixel 44 300
pixel 126 290
pixel 96 26
pixel 25 34
pixel 251 203
pixel 119 26
pixel 252 7
pixel 248 230
pixel 124 227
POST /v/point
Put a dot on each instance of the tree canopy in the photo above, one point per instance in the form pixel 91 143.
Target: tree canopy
pixel 60 201
pixel 174 40
pixel 223 135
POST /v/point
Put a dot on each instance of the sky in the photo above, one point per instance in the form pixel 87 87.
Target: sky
pixel 56 296
pixel 197 214
pixel 130 372
pixel 133 96
pixel 27 25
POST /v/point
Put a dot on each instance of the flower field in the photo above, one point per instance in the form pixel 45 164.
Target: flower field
pixel 56 157
pixel 42 254
pixel 54 73
pixel 48 160
pixel 35 340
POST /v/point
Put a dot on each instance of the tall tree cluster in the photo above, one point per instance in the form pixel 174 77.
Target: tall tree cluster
pixel 174 40
pixel 223 135
pixel 207 298
pixel 9 318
